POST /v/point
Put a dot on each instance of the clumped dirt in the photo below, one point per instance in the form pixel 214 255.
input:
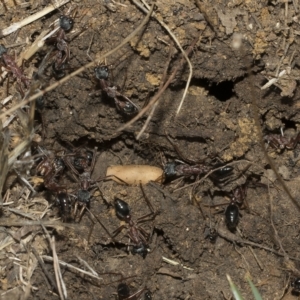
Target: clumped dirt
pixel 216 124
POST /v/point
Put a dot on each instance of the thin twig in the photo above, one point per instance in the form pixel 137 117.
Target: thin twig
pixel 273 225
pixel 155 104
pixel 264 150
pixel 64 264
pixel 15 26
pixel 59 280
pixel 156 97
pixel 226 234
pixel 164 25
pixel 42 264
pixel 87 265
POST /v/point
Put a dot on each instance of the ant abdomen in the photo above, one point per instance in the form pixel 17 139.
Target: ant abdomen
pixel 232 216
pixel 122 209
pixel 65 23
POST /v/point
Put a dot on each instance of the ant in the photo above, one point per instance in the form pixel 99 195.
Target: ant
pixel 61 43
pixel 280 142
pixel 211 234
pixel 296 286
pixel 124 293
pixel 190 167
pixel 139 238
pixel 123 104
pixel 49 168
pixel 79 158
pixel 86 166
pixel 12 67
pixel 238 197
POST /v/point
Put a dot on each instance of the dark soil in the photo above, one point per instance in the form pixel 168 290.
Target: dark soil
pixel 216 124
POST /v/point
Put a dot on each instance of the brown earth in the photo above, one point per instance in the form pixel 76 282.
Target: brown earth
pixel 216 120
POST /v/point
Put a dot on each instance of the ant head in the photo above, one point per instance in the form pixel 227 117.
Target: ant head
pixel 127 108
pixel 141 249
pixel 296 285
pixel 169 169
pixel 65 23
pixel 83 196
pixel 3 49
pixel 148 295
pixel 89 155
pixel 122 209
pixel 102 72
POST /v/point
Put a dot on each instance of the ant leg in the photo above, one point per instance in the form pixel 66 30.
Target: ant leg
pixel 179 153
pixel 91 230
pixel 118 230
pixel 81 212
pixel 93 160
pixel 147 200
pixel 7 86
pixel 66 160
pixel 75 210
pixel 98 220
pixel 153 213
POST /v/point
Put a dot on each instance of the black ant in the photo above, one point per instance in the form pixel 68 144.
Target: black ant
pixel 189 167
pixel 124 293
pixel 296 286
pixel 211 234
pixel 12 67
pixel 139 238
pixel 280 142
pixel 123 104
pixel 81 159
pixel 237 200
pixel 61 43
pixel 82 167
pixel 238 197
pixel 50 168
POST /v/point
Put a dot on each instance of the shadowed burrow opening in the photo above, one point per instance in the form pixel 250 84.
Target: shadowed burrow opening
pixel 289 124
pixel 222 91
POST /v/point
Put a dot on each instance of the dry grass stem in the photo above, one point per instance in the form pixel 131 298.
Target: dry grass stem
pixel 18 25
pixel 156 104
pixel 72 268
pixel 87 266
pixel 159 93
pixel 164 25
pixel 59 280
pixel 226 234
